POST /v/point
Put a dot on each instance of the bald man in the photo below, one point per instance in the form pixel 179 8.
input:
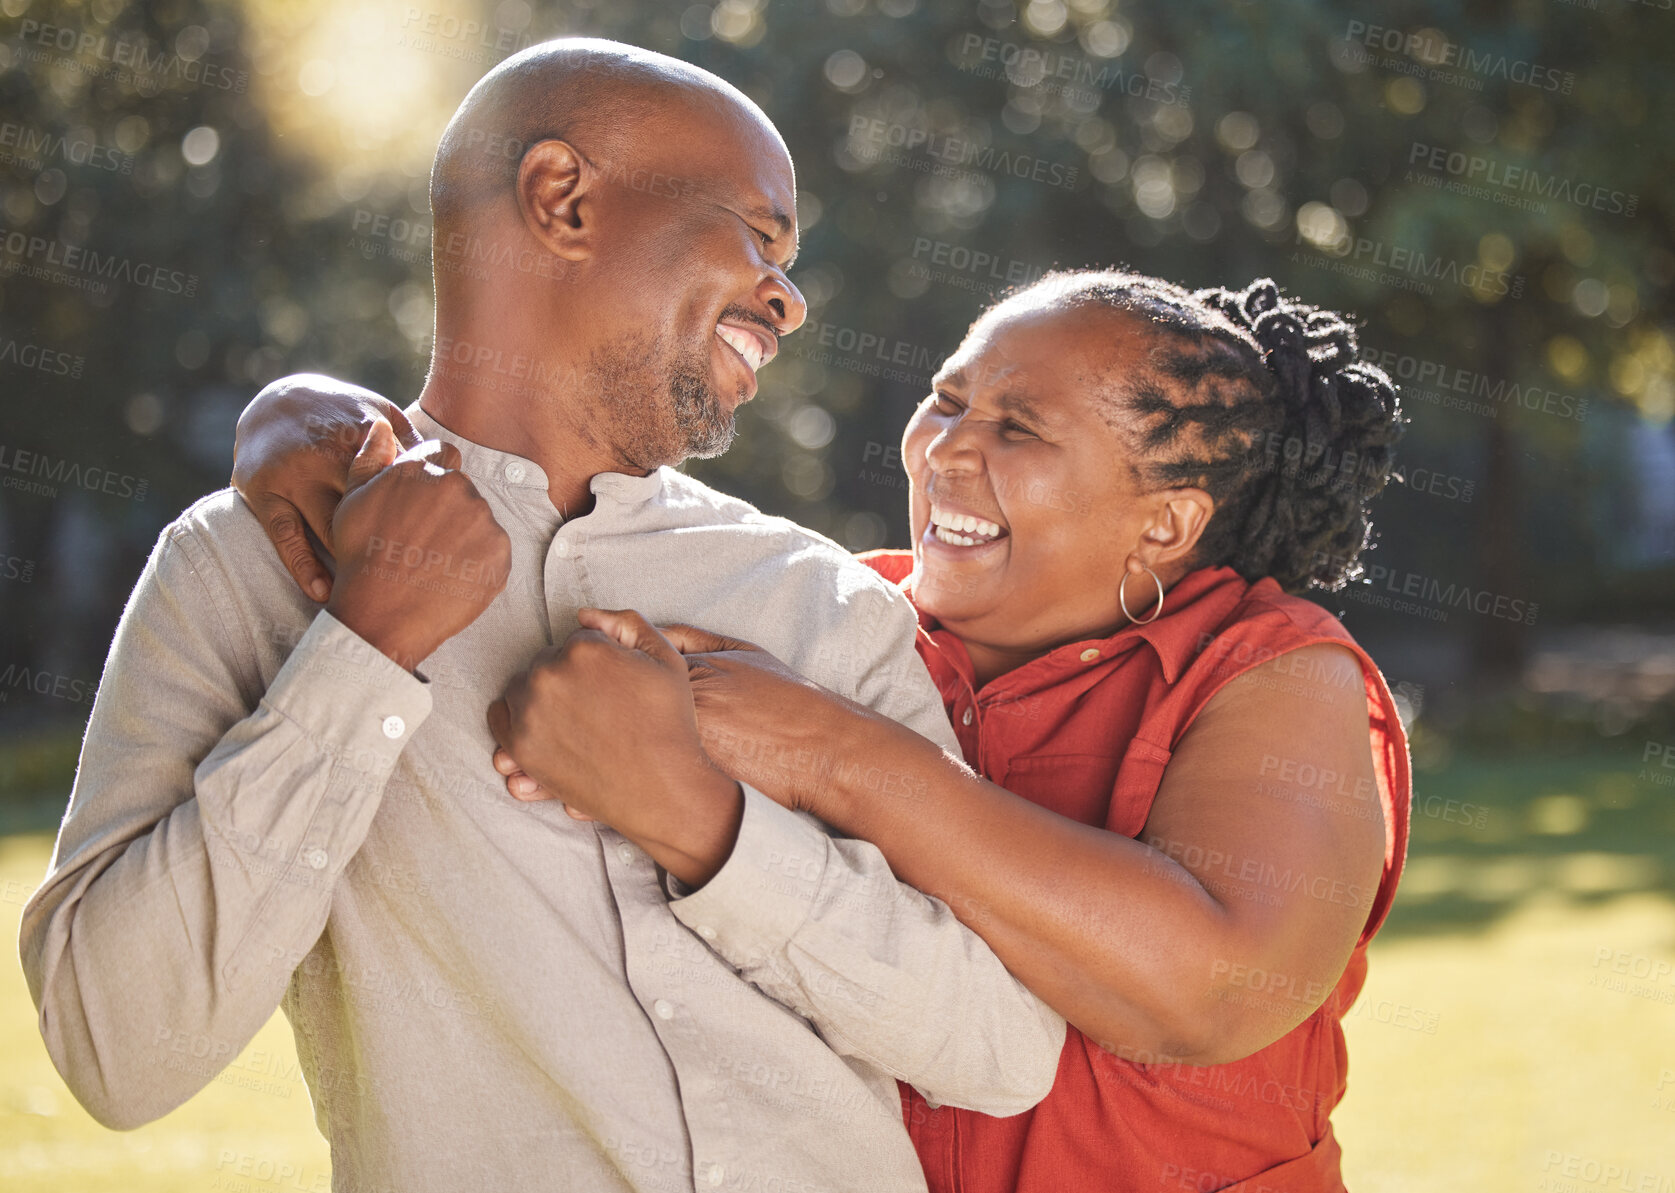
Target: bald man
pixel 284 805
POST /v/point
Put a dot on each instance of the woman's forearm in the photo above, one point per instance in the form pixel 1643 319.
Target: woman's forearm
pixel 1119 939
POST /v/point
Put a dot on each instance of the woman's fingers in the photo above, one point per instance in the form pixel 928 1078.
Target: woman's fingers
pixel 520 786
pixel 690 639
pixel 284 525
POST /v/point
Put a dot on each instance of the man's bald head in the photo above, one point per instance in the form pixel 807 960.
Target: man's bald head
pixel 663 200
pixel 596 95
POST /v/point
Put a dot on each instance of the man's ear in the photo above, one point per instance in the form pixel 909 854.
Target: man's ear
pixel 556 196
pixel 1177 525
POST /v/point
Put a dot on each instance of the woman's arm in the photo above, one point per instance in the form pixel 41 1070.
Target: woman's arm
pixel 1224 927
pixel 291 457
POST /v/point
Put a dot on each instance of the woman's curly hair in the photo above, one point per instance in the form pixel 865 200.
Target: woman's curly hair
pixel 1263 402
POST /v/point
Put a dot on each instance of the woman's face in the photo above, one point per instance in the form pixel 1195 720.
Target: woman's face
pixel 1021 434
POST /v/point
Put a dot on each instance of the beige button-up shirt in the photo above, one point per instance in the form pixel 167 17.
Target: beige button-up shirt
pixel 487 994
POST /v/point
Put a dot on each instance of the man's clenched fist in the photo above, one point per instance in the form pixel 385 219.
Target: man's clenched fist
pixel 605 722
pixel 419 554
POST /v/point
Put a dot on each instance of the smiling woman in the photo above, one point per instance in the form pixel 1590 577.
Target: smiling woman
pixel 1183 816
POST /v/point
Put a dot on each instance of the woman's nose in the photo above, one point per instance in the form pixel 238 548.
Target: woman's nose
pixel 954 449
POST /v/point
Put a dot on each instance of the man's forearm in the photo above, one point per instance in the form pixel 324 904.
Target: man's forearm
pixel 885 973
pixel 182 896
pixel 698 844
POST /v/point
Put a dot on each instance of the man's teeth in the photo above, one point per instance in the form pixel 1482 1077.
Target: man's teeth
pixel 745 344
pixel 962 530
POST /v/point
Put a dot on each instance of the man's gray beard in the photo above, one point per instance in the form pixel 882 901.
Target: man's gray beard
pixel 689 422
pixel 703 426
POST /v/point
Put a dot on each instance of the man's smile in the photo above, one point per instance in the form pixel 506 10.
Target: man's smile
pixel 753 345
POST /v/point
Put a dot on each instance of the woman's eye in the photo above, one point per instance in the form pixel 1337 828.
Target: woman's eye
pixel 944 404
pixel 1011 427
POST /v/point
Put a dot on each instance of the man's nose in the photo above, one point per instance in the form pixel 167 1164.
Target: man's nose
pixel 783 300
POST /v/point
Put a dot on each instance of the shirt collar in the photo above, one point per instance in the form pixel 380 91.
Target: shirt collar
pixel 485 465
pixel 1193 610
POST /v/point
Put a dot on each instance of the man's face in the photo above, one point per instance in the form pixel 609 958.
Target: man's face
pixel 698 226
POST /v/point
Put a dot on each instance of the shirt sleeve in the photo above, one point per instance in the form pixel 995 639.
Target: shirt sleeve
pixel 195 866
pixel 886 973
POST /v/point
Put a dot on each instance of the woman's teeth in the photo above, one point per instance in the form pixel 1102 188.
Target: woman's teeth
pixel 963 530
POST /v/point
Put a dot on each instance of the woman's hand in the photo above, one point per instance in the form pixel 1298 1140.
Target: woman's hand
pixel 295 455
pixel 760 722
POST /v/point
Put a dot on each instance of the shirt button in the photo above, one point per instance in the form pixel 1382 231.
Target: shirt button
pixel 1090 654
pixel 714 1178
pixel 965 719
pixel 314 859
pixel 394 727
pixel 707 932
pixel 626 852
pixel 514 472
pixel 561 548
pixel 663 1009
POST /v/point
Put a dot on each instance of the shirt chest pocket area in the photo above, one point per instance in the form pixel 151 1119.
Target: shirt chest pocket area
pixel 1074 785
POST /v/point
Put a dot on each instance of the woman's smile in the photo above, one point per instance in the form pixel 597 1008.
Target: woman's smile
pixel 953 527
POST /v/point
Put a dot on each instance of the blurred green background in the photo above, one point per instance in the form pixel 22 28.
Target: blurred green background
pixel 197 197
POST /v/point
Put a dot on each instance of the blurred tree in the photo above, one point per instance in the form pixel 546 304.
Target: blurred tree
pixel 945 148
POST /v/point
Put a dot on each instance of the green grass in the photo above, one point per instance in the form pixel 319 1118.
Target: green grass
pixel 1494 1048
pixel 251 1131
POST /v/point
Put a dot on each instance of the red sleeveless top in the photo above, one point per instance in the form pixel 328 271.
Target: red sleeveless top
pixel 1086 730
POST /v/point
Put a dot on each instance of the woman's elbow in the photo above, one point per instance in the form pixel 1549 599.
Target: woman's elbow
pixel 1237 1022
pixel 1214 1029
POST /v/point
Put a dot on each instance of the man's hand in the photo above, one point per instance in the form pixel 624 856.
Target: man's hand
pixel 291 458
pixel 419 553
pixel 605 723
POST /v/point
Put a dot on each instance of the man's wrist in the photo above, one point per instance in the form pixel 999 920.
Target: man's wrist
pixel 696 842
pixel 405 651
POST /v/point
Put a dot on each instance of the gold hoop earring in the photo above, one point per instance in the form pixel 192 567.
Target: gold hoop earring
pixel 1157 610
